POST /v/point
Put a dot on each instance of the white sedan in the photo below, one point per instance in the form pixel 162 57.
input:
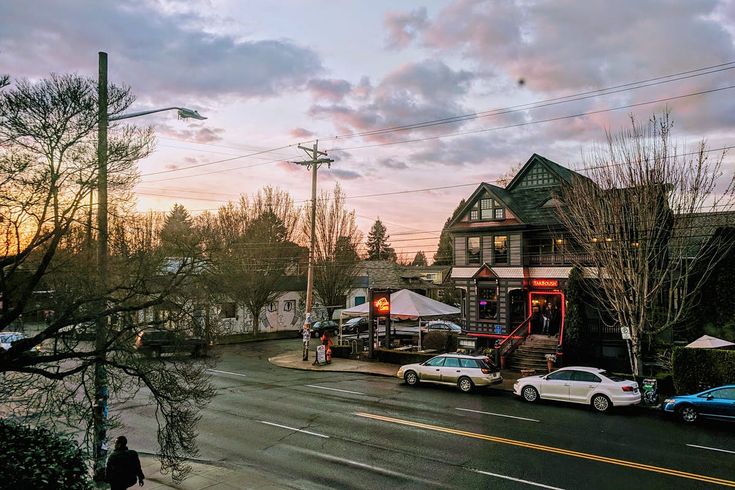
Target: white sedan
pixel 576 384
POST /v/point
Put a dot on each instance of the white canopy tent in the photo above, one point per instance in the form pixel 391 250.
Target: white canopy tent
pixel 709 342
pixel 405 305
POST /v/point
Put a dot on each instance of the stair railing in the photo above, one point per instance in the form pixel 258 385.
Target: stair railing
pixel 512 341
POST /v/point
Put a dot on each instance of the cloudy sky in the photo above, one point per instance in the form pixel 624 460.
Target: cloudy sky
pixel 272 74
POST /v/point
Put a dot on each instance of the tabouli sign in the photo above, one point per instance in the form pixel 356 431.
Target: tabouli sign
pixel 381 304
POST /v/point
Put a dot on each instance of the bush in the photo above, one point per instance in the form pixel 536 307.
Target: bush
pixel 40 459
pixel 342 351
pixel 401 357
pixel 699 369
pixel 440 341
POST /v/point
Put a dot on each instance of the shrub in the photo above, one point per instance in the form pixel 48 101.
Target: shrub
pixel 435 341
pixel 698 369
pixel 40 459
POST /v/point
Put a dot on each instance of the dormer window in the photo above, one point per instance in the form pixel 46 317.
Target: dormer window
pixel 487 209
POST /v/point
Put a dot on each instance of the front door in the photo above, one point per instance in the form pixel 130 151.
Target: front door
pixel 556 386
pixel 432 369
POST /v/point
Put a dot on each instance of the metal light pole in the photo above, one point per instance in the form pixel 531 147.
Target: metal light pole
pixel 99 417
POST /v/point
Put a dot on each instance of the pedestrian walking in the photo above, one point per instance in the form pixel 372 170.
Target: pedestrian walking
pixel 305 336
pixel 547 319
pixel 123 466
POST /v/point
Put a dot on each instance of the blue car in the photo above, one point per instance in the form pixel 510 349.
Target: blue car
pixel 716 402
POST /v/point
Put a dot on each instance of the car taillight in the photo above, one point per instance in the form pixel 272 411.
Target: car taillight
pixel 485 371
pixel 628 388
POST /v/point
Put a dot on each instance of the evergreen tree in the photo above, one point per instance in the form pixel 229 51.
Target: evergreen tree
pixel 177 234
pixel 377 243
pixel 445 252
pixel 419 260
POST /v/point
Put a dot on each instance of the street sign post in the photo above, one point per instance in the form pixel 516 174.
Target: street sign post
pixel 625 333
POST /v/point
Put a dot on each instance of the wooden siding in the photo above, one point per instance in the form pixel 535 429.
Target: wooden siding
pixel 460 251
pixel 516 256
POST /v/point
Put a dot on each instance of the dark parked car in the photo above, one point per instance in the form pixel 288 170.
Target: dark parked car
pixel 355 325
pixel 155 341
pixel 318 328
pixel 716 403
pixel 444 326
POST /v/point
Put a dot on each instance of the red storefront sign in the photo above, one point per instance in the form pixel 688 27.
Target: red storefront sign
pixel 381 304
pixel 544 283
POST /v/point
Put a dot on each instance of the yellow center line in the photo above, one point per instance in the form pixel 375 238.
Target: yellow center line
pixel 551 449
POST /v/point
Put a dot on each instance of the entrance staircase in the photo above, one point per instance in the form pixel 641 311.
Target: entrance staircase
pixel 531 353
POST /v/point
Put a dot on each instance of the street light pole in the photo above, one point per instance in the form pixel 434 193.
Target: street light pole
pixel 101 392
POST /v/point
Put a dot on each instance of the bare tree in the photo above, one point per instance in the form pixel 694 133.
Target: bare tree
pixel 646 220
pixel 47 174
pixel 337 237
pixel 252 247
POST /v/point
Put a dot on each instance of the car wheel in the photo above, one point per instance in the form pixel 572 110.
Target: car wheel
pixel 601 403
pixel 529 393
pixel 688 414
pixel 465 384
pixel 411 378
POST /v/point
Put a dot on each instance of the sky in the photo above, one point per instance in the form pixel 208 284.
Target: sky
pixel 270 75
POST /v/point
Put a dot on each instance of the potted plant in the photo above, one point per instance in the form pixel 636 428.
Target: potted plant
pixel 550 361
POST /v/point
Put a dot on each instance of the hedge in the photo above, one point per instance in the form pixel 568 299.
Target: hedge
pixel 698 369
pixel 38 458
pixel 401 357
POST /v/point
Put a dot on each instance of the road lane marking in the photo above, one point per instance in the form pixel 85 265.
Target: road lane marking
pixel 527 482
pixel 551 449
pixel 294 429
pixel 497 414
pixel 365 466
pixel 226 372
pixel 335 389
pixel 711 448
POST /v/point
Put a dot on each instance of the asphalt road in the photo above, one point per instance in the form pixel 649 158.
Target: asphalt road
pixel 339 430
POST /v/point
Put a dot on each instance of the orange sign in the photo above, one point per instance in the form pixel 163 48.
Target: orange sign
pixel 381 304
pixel 544 283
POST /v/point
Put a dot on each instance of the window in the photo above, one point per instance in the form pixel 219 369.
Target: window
pixel 724 394
pixel 359 300
pixel 473 215
pixel 501 249
pixel 289 305
pixel 585 376
pixel 474 252
pixel 560 376
pixel 538 176
pixel 451 362
pixel 273 306
pixel 487 302
pixel 499 213
pixel 228 310
pixel 435 361
pixel 468 363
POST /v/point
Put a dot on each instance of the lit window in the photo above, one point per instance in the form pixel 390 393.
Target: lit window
pixel 473 215
pixel 501 249
pixel 499 213
pixel 474 252
pixel 487 302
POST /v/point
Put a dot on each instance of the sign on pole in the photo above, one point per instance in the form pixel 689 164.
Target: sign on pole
pixel 625 333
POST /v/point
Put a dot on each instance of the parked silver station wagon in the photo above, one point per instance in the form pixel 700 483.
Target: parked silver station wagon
pixel 466 372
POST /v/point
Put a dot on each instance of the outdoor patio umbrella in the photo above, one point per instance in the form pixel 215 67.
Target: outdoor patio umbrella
pixel 709 342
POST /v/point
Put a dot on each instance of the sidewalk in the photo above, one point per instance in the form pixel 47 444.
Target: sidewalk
pixel 292 360
pixel 209 476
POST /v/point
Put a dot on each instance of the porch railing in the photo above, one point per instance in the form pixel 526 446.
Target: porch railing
pixel 557 259
pixel 512 341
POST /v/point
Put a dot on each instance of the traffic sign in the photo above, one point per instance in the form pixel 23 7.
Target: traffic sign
pixel 625 333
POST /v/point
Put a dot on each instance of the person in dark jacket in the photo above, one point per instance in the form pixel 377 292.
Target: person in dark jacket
pixel 123 466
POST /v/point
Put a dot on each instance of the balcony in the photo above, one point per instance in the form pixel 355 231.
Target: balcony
pixel 556 259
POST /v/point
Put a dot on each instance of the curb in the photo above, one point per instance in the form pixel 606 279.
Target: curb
pixel 310 368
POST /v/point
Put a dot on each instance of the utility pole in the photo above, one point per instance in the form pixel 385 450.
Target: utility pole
pixel 313 165
pixel 100 371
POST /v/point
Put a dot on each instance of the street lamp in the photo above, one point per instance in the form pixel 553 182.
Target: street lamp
pixel 100 375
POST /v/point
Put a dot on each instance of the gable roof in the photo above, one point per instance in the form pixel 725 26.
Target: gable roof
pixel 526 203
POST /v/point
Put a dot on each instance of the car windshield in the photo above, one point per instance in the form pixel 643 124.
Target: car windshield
pixel 613 377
